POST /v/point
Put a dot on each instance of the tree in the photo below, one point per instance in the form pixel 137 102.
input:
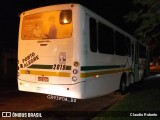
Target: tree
pixel 147 17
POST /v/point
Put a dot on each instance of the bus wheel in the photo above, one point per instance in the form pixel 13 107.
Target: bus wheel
pixel 123 85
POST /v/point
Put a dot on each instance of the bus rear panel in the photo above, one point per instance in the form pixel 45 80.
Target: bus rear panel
pixel 45 52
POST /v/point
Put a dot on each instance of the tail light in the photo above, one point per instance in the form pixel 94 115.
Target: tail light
pixel 76 64
pixel 18 64
pixel 75 71
pixel 74 78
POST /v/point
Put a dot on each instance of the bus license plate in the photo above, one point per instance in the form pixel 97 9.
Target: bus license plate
pixel 43 79
pixel 61 98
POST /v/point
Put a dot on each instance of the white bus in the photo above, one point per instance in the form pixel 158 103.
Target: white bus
pixel 68 50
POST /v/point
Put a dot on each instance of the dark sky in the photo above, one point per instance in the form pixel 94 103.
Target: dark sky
pixel 112 10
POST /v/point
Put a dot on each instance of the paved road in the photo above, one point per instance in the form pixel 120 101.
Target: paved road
pixel 16 101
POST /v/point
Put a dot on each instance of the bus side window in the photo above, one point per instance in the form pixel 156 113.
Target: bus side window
pixel 105 39
pixel 132 47
pixel 120 44
pixel 128 46
pixel 93 34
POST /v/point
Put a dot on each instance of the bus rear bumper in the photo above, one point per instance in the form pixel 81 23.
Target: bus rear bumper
pixel 69 90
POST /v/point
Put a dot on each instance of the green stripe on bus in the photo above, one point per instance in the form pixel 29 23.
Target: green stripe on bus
pixel 41 66
pixel 38 66
pixel 97 73
pixel 68 67
pixel 87 68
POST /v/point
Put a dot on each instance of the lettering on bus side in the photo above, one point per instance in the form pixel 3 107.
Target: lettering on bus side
pixel 29 59
pixel 59 67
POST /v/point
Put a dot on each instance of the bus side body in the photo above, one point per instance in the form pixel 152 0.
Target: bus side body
pixel 104 69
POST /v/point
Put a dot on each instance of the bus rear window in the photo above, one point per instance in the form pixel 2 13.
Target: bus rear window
pixel 47 25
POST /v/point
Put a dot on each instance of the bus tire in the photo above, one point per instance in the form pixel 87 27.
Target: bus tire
pixel 123 87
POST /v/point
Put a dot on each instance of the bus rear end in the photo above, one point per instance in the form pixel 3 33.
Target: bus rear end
pixel 45 52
